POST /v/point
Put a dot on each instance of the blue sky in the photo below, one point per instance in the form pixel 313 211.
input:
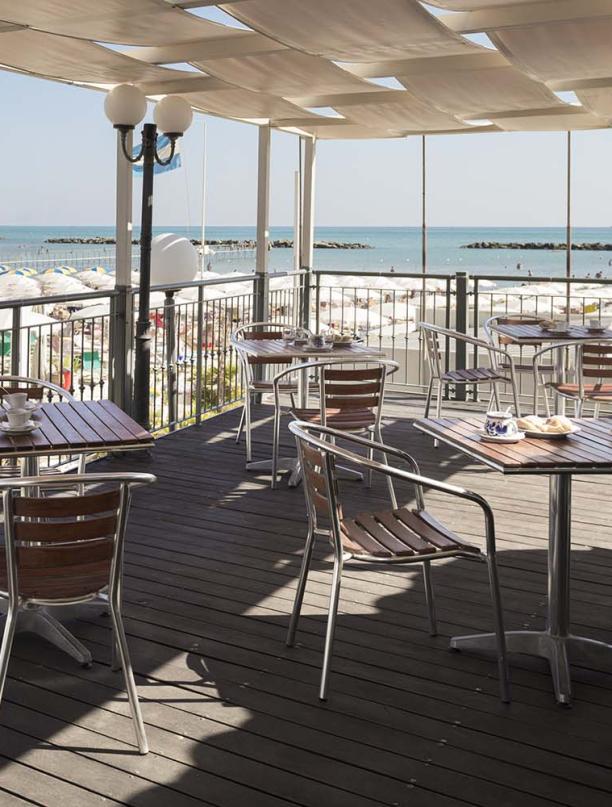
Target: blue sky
pixel 59 169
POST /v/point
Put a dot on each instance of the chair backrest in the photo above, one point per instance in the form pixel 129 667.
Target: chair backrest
pixel 320 486
pixel 496 338
pixel 594 362
pixel 259 331
pixel 431 336
pixel 38 389
pixel 64 548
pixel 360 387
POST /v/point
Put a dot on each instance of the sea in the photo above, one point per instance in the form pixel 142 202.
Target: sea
pixel 395 249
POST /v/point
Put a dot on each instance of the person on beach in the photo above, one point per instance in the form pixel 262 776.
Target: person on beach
pixel 519 265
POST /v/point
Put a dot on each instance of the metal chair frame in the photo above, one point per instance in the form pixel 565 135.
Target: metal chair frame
pixel 593 370
pixel 30 466
pixel 432 333
pixel 497 340
pixel 319 369
pixel 109 596
pixel 247 369
pixel 325 440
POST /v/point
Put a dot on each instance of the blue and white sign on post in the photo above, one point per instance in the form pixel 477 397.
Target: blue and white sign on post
pixel 163 150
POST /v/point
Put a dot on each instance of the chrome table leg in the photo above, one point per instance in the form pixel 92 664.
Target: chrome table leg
pixel 555 644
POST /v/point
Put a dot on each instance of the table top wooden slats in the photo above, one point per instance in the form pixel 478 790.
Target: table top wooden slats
pixel 587 451
pixel 77 427
pixel 529 333
pixel 277 349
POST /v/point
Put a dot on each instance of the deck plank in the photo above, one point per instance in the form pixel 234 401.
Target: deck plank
pixel 232 714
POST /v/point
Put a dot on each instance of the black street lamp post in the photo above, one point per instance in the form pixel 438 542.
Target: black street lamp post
pixel 125 106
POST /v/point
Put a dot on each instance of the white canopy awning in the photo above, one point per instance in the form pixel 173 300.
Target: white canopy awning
pixel 290 58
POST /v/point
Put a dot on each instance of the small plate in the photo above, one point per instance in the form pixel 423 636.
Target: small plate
pixel 25 429
pixel 550 435
pixel 324 349
pixel 596 330
pixel 506 439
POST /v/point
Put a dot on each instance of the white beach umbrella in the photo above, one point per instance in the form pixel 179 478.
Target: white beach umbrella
pixel 398 311
pixel 96 280
pixel 61 284
pixel 13 287
pixel 98 310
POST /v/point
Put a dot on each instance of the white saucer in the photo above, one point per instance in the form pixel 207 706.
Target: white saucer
pixel 506 439
pixel 32 406
pixel 25 429
pixel 325 349
pixel 550 435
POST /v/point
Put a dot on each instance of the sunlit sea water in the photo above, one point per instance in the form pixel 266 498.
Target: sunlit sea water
pixel 391 247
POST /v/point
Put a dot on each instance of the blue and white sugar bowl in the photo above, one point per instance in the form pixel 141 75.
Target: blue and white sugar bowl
pixel 500 424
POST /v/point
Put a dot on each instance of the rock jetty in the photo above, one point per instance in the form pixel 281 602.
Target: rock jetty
pixel 594 246
pixel 232 243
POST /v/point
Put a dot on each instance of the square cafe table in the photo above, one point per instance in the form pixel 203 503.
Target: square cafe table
pixel 278 351
pixel 75 427
pixel 531 333
pixel 589 451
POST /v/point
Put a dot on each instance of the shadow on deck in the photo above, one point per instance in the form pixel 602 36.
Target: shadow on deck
pixel 232 715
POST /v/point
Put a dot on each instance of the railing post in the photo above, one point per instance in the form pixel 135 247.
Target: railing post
pixel 199 357
pixel 170 329
pixel 261 299
pixel 307 233
pixel 119 349
pixel 15 340
pixel 461 325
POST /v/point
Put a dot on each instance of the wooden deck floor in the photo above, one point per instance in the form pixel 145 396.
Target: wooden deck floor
pixel 232 715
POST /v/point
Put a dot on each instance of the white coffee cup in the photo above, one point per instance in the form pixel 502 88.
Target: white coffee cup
pixel 17 418
pixel 15 400
pixel 500 424
pixel 597 324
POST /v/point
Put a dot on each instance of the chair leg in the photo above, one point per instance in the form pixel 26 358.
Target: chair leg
pixel 502 658
pixel 369 475
pixel 578 408
pixel 429 599
pixel 334 599
pixel 438 406
pixel 241 424
pixel 429 396
pixel 128 675
pixel 495 393
pixel 275 446
pixel 247 427
pixel 596 409
pixel 301 587
pixel 7 642
pixel 546 402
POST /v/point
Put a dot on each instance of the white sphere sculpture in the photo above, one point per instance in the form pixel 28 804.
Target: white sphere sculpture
pixel 174 259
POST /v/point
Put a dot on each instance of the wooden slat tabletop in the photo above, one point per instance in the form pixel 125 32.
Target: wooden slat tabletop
pixel 76 428
pixel 587 451
pixel 528 333
pixel 276 348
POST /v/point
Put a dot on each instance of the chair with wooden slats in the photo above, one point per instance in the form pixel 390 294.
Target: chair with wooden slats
pixel 591 369
pixel 350 398
pixel 394 535
pixel 44 391
pixel 255 386
pixel 499 371
pixel 524 366
pixel 66 550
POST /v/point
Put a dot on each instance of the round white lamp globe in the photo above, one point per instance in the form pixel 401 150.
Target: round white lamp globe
pixel 174 259
pixel 172 115
pixel 125 105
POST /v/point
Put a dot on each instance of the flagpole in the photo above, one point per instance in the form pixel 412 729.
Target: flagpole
pixel 204 166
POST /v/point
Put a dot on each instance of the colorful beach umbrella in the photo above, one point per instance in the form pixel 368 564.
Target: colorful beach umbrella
pixel 99 270
pixel 60 270
pixel 24 271
pixel 4 269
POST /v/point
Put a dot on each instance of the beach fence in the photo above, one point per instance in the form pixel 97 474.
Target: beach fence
pixel 385 309
pixel 84 342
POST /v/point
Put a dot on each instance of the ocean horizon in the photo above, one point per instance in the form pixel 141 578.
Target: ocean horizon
pixel 390 248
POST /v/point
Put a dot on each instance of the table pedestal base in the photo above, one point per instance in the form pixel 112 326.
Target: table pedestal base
pixel 38 620
pixel 292 465
pixel 557 650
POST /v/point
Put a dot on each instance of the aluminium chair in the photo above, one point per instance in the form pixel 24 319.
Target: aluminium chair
pixel 62 551
pixel 396 535
pixel 591 371
pixel 524 366
pixel 257 386
pixel 492 375
pixel 350 399
pixel 38 390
